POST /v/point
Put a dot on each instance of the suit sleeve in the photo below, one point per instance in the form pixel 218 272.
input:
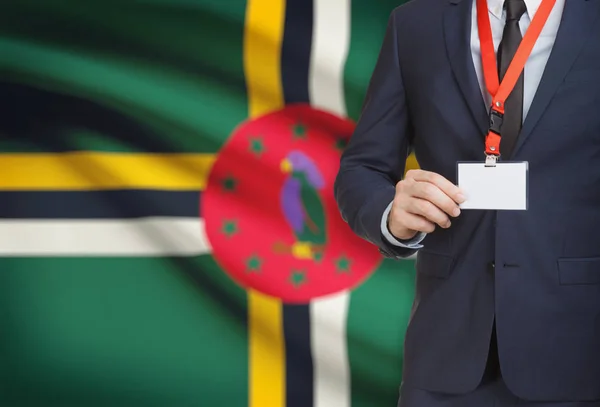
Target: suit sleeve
pixel 375 157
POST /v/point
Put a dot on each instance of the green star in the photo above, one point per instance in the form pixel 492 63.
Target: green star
pixel 254 264
pixel 318 256
pixel 229 184
pixel 341 143
pixel 257 146
pixel 298 278
pixel 230 228
pixel 299 131
pixel 343 264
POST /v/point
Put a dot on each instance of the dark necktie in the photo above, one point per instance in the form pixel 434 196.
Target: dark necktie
pixel 513 107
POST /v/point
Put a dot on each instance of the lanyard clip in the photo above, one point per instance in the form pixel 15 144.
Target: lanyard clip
pixel 490 160
pixel 496 120
pixel 492 141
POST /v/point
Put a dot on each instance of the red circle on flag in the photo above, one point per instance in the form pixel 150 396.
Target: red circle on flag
pixel 269 210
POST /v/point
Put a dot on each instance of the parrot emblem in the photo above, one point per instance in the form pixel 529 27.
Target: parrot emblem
pixel 302 207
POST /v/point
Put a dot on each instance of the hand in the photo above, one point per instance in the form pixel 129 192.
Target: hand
pixel 423 200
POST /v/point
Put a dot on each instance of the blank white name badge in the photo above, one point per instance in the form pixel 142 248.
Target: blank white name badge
pixel 499 187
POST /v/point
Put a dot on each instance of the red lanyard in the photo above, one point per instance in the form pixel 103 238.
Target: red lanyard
pixel 501 91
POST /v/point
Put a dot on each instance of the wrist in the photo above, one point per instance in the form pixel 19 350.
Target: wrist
pixel 403 234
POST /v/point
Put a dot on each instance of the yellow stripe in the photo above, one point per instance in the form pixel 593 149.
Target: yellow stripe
pixel 96 171
pixel 263 35
pixel 267 351
pixel 411 163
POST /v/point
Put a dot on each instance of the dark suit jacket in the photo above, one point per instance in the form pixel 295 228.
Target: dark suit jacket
pixel 545 289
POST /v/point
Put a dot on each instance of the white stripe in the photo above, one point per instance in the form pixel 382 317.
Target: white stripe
pixel 328 318
pixel 330 46
pixel 113 238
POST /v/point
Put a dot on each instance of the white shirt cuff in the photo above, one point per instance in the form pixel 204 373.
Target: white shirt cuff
pixel 413 243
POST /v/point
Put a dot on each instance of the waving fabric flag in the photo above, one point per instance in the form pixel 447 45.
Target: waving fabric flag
pixel 168 234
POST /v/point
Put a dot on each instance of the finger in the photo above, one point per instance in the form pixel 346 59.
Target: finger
pixel 431 193
pixel 429 211
pixel 416 223
pixel 442 183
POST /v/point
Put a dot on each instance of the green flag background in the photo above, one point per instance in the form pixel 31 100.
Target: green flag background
pixel 113 113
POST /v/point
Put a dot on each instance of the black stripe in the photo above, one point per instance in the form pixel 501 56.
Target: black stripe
pixel 295 52
pixel 298 358
pixel 98 204
pixel 295 62
pixel 37 120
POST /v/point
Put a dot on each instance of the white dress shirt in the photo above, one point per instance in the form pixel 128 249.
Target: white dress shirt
pixel 534 68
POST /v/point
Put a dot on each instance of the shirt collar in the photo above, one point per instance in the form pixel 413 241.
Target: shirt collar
pixel 496 7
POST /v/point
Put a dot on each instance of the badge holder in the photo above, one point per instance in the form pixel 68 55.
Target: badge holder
pixel 494 185
pixel 501 186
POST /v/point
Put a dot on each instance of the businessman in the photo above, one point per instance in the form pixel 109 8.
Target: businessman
pixel 507 302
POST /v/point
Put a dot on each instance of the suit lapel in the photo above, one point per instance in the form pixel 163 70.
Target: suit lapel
pixel 457 34
pixel 577 20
